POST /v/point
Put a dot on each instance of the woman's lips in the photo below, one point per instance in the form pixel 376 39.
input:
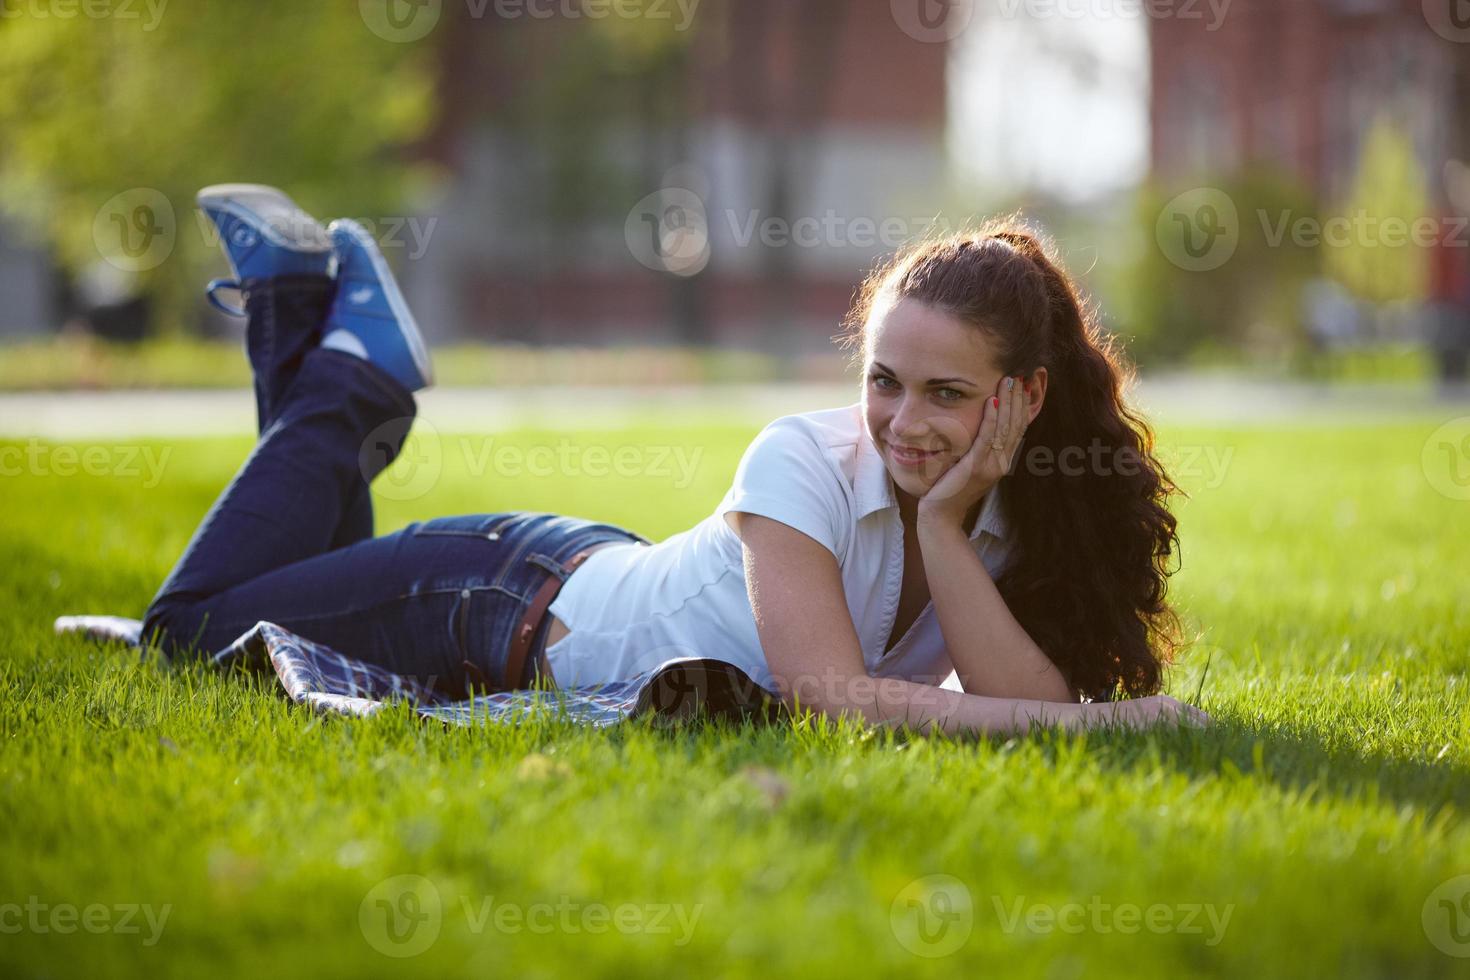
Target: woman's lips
pixel 906 458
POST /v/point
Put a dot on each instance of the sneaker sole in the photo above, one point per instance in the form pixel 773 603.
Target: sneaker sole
pixel 408 326
pixel 269 210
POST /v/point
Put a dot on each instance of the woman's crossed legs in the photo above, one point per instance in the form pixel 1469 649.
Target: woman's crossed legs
pixel 290 541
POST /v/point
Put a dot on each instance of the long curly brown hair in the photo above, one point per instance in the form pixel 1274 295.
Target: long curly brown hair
pixel 1088 576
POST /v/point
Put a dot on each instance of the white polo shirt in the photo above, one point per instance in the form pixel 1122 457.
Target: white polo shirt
pixel 632 607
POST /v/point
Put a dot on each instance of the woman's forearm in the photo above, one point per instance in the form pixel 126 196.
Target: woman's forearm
pixel 893 701
pixel 991 652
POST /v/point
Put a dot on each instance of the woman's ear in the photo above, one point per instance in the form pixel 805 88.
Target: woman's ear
pixel 1035 394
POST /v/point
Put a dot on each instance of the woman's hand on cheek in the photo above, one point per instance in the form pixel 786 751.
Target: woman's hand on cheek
pixel 988 459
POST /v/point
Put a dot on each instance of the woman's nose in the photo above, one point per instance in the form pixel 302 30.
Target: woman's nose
pixel 909 420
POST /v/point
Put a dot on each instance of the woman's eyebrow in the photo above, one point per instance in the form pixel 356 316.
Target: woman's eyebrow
pixel 933 381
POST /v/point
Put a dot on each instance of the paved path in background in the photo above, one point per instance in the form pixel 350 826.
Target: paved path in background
pixel 1167 399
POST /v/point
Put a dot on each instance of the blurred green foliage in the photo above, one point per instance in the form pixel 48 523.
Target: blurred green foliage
pixel 1389 186
pixel 82 361
pixel 282 92
pixel 1167 313
pixel 1252 304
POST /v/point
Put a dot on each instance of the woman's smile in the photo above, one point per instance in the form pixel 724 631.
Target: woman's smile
pixel 909 457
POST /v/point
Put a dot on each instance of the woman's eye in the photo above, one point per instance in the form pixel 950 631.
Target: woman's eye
pixel 886 383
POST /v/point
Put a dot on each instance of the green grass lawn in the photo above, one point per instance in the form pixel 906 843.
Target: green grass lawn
pixel 178 823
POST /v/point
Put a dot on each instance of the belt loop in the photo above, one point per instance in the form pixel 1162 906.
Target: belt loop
pixel 550 565
pixel 476 678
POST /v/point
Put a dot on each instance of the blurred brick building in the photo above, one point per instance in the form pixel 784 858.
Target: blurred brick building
pixel 1297 83
pixel 768 113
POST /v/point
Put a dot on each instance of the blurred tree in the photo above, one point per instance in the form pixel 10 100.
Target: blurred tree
pixel 110 125
pixel 1376 262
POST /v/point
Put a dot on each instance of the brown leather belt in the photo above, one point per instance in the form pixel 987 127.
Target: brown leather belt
pixel 520 644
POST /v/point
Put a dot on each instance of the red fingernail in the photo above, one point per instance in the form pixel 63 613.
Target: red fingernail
pixel 994 402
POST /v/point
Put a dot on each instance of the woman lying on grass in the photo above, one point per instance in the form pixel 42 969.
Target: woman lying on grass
pixel 863 554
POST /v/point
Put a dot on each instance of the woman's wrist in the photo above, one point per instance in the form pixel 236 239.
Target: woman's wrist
pixel 943 514
pixel 932 517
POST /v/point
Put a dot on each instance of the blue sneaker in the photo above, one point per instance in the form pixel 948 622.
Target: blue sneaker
pixel 369 317
pixel 264 234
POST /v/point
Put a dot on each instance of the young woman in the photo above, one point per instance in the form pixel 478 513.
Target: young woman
pixel 862 555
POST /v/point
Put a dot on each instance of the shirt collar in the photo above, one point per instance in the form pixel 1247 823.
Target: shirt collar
pixel 873 487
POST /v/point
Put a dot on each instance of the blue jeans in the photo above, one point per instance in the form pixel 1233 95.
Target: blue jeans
pixel 290 539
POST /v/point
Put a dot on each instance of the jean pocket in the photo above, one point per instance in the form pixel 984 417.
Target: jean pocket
pixel 488 526
pixel 484 629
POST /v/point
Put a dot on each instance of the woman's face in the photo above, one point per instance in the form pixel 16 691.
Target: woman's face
pixel 926 380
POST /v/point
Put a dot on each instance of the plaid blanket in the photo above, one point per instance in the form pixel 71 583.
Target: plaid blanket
pixel 328 681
